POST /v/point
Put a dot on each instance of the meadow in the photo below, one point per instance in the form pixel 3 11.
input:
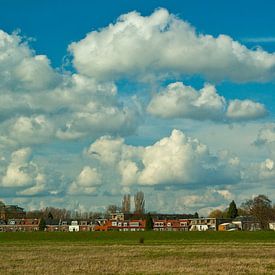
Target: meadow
pixel 124 253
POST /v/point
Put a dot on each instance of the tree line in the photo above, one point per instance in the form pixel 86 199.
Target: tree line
pixel 259 207
pixel 64 214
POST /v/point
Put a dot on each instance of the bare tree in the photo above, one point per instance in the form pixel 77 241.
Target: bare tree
pixel 126 204
pixel 260 207
pixel 95 215
pixel 216 213
pixel 139 202
pixel 112 208
pixel 57 213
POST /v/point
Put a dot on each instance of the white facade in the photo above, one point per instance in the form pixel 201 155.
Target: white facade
pixel 73 228
pixel 199 227
pixel 272 226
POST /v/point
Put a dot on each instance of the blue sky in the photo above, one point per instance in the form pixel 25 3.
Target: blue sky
pixel 175 98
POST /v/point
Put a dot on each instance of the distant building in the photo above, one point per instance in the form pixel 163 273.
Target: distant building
pixel 272 226
pixel 228 227
pixel 247 223
pixel 74 227
pixel 204 224
pixel 125 225
pixel 155 216
pixel 15 225
pixel 171 225
pixel 11 212
pixel 118 216
pixel 69 225
pixel 55 225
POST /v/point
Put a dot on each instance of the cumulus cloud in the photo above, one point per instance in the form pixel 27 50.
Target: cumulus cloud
pixel 245 110
pixel 31 130
pixel 94 109
pixel 266 135
pixel 19 171
pixel 37 104
pixel 176 160
pixel 178 100
pixel 204 203
pixel 38 188
pixel 21 69
pixel 87 182
pixel 162 44
pixel 24 174
pixel 260 172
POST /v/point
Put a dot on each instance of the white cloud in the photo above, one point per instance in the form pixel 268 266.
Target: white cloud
pixel 19 171
pixel 76 108
pixel 245 110
pixel 21 69
pixel 180 101
pixel 31 130
pixel 266 135
pixel 176 160
pixel 87 182
pixel 38 188
pixel 203 202
pixel 162 44
pixel 23 174
pixel 260 172
pixel 38 104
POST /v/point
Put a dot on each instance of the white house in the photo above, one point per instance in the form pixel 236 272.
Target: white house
pixel 199 227
pixel 272 226
pixel 74 227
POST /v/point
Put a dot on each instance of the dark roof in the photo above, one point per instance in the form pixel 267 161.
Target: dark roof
pixel 245 219
pixel 12 208
pixel 171 216
pixel 52 222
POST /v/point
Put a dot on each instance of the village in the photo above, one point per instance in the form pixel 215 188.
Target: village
pixel 13 219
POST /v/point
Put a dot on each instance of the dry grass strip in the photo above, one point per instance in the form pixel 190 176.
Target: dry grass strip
pixel 137 259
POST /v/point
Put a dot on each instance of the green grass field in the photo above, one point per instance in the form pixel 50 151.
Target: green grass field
pixel 131 238
pixel 122 253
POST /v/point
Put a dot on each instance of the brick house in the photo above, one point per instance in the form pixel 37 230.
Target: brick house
pixel 11 212
pixel 14 225
pixel 247 223
pixel 171 225
pixel 125 225
pixel 68 225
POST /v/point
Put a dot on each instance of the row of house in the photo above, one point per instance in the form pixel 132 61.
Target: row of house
pixel 119 223
pixel 14 225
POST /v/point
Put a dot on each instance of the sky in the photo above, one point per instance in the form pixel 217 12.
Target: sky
pixel 103 98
